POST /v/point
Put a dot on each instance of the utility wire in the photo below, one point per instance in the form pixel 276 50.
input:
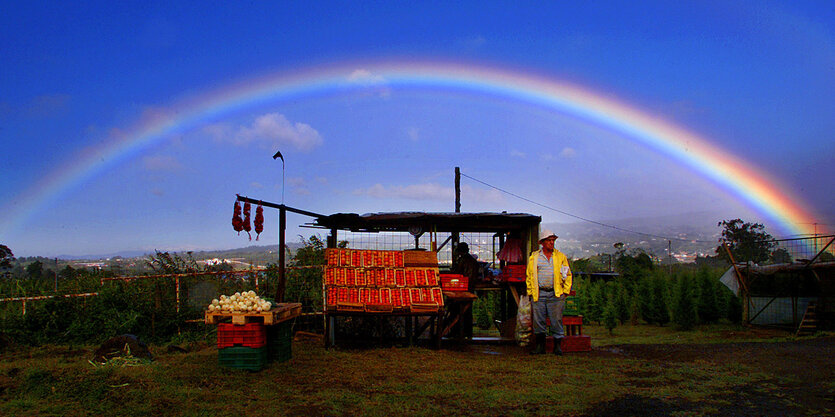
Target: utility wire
pixel 583 218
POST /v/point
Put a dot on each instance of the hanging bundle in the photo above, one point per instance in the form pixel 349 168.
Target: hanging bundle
pixel 259 221
pixel 237 223
pixel 247 225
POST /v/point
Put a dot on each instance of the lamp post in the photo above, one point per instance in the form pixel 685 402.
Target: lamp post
pixel 276 156
pixel 282 226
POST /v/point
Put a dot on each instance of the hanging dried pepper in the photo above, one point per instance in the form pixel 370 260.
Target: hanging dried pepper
pixel 259 221
pixel 237 222
pixel 247 224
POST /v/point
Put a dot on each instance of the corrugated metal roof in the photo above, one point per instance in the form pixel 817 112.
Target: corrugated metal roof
pixel 441 222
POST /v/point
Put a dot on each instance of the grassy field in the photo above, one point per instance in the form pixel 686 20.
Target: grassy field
pixel 640 370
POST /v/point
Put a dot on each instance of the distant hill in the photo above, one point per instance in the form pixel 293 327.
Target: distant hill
pixel 692 233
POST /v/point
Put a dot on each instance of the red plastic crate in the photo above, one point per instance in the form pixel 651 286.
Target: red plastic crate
pixel 569 320
pixel 438 295
pixel 570 344
pixel 350 277
pixel 431 278
pixel 515 273
pixel 420 278
pixel 454 282
pixel 367 258
pixel 253 335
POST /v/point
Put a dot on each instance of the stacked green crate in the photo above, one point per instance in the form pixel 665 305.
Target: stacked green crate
pixel 572 306
pixel 240 357
pixel 280 341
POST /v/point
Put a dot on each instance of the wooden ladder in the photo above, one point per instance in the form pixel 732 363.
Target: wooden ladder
pixel 809 324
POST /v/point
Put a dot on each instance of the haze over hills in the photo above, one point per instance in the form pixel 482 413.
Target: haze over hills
pixel 692 233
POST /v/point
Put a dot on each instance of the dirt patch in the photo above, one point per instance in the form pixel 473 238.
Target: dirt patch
pixel 801 370
pixel 633 405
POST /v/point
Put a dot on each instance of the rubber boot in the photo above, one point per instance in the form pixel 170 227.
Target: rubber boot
pixel 539 349
pixel 557 347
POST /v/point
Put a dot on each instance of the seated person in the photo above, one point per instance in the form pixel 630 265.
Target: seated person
pixel 466 265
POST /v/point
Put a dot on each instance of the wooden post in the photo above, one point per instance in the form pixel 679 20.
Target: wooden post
pixel 454 235
pixel 282 228
pixel 746 311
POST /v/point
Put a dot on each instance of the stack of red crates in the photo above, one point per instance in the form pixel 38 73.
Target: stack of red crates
pixel 574 340
pixel 376 279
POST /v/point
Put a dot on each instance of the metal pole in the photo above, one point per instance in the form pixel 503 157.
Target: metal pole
pixel 282 227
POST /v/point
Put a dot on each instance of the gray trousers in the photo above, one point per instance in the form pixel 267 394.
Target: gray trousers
pixel 548 306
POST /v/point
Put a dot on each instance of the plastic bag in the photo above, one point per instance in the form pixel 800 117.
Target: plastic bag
pixel 524 323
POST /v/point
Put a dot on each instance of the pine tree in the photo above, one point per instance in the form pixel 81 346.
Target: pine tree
pixel 622 303
pixel 600 301
pixel 708 306
pixel 482 315
pixel 684 311
pixel 610 319
pixel 653 299
pixel 660 299
pixel 734 309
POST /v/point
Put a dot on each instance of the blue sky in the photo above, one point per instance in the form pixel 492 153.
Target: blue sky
pixel 756 78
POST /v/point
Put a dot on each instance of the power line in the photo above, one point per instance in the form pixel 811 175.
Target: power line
pixel 583 218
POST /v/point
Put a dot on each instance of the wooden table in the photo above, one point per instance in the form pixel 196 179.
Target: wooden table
pixel 457 304
pixel 433 324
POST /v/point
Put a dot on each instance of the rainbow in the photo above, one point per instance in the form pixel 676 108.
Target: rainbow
pixel 745 182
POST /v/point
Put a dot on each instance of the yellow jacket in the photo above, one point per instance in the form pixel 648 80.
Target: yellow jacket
pixel 560 287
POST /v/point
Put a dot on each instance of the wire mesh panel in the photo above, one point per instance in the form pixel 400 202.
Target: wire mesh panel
pixel 803 249
pixel 483 245
pixel 780 311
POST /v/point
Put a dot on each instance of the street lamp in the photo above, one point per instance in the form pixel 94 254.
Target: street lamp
pixel 276 156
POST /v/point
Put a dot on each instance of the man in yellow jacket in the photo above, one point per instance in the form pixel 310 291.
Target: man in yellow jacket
pixel 548 282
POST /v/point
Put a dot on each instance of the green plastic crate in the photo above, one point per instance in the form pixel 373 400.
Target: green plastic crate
pixel 280 342
pixel 572 306
pixel 239 357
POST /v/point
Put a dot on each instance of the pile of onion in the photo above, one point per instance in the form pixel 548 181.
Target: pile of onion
pixel 245 302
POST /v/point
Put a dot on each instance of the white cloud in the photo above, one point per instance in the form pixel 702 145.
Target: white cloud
pixel 301 191
pixel 375 82
pixel 296 181
pixel 256 185
pixel 157 192
pixel 365 77
pixel 568 153
pixel 413 133
pixel 546 157
pixel 269 131
pixel 517 154
pixel 321 180
pixel 273 131
pixel 161 163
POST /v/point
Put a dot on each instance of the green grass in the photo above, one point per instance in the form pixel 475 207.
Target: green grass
pixel 58 380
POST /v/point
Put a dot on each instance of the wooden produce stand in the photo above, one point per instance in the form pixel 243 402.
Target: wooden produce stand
pixel 377 283
pixel 278 313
